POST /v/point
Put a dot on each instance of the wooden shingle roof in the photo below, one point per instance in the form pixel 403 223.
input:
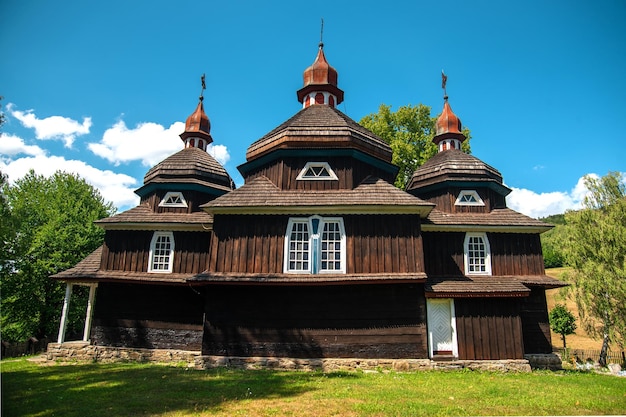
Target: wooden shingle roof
pixel 454 165
pixel 320 127
pixel 487 285
pixel 496 220
pixel 143 218
pixel 476 286
pixel 373 195
pixel 190 165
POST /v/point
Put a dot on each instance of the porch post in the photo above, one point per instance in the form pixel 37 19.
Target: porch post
pixel 66 309
pixel 89 315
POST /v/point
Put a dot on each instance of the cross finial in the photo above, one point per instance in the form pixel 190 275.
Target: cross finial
pixel 202 80
pixel 444 80
pixel 322 34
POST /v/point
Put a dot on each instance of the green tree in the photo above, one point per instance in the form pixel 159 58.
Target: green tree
pixel 562 321
pixel 53 222
pixel 595 248
pixel 409 131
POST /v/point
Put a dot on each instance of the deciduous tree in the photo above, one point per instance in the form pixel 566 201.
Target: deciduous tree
pixel 562 321
pixel 53 222
pixel 409 131
pixel 595 248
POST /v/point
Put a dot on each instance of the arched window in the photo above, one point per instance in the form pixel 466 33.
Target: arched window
pixel 161 252
pixel 477 254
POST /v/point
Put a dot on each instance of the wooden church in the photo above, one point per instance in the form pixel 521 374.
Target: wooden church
pixel 318 255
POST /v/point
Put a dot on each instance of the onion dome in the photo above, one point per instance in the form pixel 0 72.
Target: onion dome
pixel 197 132
pixel 448 129
pixel 320 83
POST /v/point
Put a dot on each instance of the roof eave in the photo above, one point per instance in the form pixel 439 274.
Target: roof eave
pixel 422 211
pixel 429 227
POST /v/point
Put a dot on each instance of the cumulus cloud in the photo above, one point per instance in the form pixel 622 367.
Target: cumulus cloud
pixel 114 187
pixel 148 142
pixel 538 205
pixel 11 145
pixel 53 127
pixel 219 152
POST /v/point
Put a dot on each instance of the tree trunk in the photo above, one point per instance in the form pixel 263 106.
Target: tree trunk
pixel 604 350
pixel 563 336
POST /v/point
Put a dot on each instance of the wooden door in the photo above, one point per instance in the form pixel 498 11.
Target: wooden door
pixel 441 328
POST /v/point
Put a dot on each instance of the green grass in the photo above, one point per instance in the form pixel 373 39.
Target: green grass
pixel 152 390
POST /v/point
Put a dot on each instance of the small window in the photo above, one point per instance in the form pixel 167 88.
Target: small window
pixel 315 245
pixel 469 198
pixel 317 171
pixel 477 254
pixel 161 252
pixel 173 199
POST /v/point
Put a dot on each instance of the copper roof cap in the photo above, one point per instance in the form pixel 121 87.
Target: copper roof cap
pixel 198 124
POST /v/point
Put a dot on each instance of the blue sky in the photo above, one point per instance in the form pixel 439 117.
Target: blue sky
pixel 103 88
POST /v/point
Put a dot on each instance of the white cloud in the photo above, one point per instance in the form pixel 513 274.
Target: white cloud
pixel 149 143
pixel 53 127
pixel 114 187
pixel 12 145
pixel 219 152
pixel 538 205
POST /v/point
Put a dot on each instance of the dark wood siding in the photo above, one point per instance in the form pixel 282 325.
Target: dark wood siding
pixel 511 253
pixel 535 322
pixel 350 172
pixel 366 321
pixel 148 316
pixel 516 254
pixel 443 253
pixel 374 244
pixel 489 328
pixel 129 250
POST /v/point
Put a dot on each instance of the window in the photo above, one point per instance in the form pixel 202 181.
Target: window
pixel 317 171
pixel 477 254
pixel 173 199
pixel 161 252
pixel 469 198
pixel 315 245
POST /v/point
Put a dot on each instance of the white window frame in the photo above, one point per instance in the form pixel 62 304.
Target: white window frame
pixel 469 237
pixel 164 203
pixel 315 251
pixel 154 252
pixel 479 201
pixel 331 173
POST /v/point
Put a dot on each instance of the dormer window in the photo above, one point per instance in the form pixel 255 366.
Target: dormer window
pixel 313 171
pixel 469 198
pixel 173 199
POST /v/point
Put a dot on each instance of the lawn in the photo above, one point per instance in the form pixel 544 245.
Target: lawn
pixel 132 389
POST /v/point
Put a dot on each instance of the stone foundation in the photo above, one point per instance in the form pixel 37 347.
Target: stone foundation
pixel 354 364
pixel 550 361
pixel 85 352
